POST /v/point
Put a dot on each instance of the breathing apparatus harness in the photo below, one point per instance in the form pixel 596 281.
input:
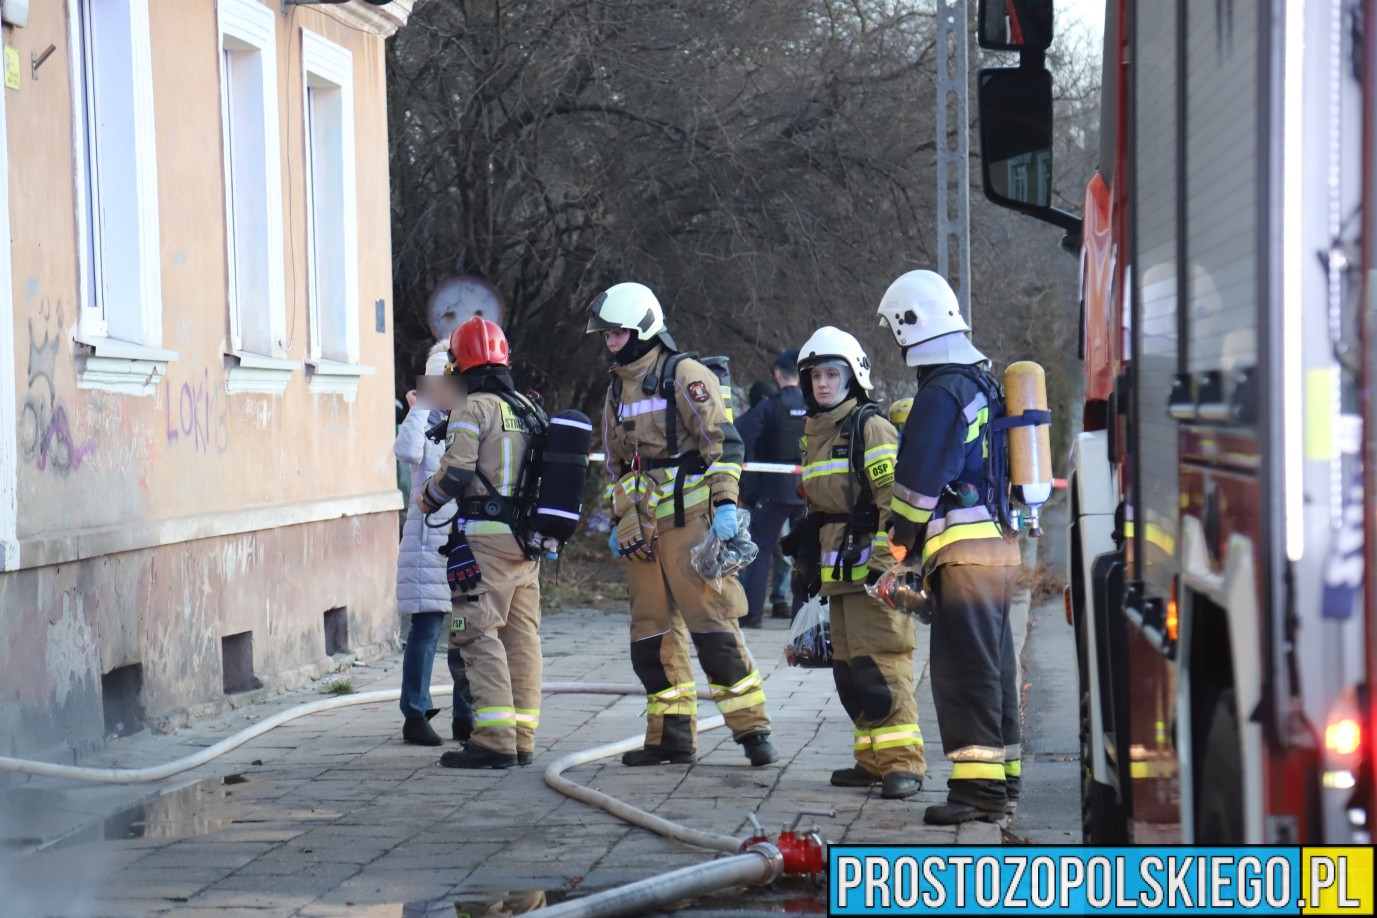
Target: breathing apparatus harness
pixel 804 541
pixel 661 379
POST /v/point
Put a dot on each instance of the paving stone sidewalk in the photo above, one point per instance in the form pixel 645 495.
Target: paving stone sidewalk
pixel 332 814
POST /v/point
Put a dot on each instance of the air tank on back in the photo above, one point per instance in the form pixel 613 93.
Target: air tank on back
pixel 564 468
pixel 1030 450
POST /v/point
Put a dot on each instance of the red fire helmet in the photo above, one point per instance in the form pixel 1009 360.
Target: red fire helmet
pixel 477 343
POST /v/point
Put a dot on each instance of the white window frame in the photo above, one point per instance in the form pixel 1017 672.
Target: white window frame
pixel 249 28
pixel 9 435
pixel 328 67
pixel 119 254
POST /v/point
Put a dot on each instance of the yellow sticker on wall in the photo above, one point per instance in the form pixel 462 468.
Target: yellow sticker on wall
pixel 11 68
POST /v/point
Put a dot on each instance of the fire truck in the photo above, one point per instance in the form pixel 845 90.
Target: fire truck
pixel 1221 488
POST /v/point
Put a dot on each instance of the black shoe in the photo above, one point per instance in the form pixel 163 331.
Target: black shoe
pixel 855 776
pixel 751 623
pixel 461 728
pixel 899 784
pixel 953 814
pixel 758 749
pixel 781 610
pixel 474 756
pixel 430 715
pixel 658 755
pixel 525 758
pixel 417 731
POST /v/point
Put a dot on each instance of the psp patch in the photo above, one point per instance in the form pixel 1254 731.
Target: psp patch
pixel 459 624
pixel 698 391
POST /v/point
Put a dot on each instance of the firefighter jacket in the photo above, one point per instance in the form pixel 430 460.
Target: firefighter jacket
pixel 487 439
pixel 644 470
pixel 830 484
pixel 941 475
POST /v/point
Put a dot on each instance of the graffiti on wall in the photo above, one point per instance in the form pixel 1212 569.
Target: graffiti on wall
pixel 45 433
pixel 196 412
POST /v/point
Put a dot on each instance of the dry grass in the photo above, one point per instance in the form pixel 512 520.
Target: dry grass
pixel 586 576
pixel 1044 581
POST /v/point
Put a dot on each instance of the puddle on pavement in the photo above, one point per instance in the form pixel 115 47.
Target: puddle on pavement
pixel 197 809
pixel 787 898
pixel 491 905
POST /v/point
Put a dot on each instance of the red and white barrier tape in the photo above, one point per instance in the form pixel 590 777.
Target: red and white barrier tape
pixel 782 468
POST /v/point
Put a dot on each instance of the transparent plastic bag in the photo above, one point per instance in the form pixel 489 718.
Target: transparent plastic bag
pixel 902 588
pixel 715 560
pixel 810 636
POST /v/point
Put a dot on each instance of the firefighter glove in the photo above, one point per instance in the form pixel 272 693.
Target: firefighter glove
pixel 905 533
pixel 724 521
pixel 630 539
pixel 462 569
pixel 805 580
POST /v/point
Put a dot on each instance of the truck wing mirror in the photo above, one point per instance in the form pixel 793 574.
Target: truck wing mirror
pixel 1016 142
pixel 1014 25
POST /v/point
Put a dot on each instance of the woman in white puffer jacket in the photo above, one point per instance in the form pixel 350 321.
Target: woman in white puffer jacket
pixel 423 593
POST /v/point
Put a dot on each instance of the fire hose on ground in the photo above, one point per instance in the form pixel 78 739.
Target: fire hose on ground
pixel 754 861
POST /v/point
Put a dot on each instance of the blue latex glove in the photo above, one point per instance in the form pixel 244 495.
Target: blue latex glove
pixel 612 543
pixel 724 522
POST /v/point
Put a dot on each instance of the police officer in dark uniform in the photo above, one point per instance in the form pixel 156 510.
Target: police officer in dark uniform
pixel 771 432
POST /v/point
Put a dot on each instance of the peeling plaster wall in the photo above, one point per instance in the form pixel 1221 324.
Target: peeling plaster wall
pixel 150 526
pixel 167 608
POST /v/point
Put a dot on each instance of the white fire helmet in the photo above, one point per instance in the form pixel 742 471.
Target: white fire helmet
pixel 922 313
pixel 828 343
pixel 629 305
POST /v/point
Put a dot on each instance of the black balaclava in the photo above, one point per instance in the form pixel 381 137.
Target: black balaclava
pixel 633 350
pixel 489 378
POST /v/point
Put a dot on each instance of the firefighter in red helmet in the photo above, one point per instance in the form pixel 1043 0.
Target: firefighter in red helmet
pixel 495 586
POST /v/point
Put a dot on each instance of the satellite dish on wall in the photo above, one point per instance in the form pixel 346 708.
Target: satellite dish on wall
pixel 455 300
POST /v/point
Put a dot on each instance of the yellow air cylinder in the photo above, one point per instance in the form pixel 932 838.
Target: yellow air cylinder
pixel 899 411
pixel 1030 449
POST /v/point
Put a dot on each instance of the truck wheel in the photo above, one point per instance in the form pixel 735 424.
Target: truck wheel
pixel 1102 821
pixel 1219 810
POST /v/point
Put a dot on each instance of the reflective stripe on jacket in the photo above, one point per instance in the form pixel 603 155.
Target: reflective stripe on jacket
pixel 831 487
pixel 944 448
pixel 634 425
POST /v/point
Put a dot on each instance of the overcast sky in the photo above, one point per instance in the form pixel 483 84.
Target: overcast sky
pixel 1088 12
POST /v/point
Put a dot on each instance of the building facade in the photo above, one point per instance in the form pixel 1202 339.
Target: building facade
pixel 197 493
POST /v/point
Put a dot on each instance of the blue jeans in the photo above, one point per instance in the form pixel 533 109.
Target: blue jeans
pixel 418 661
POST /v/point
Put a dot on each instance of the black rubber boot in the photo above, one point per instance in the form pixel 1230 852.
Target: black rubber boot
pixel 780 610
pixel 758 749
pixel 953 814
pixel 417 731
pixel 899 784
pixel 525 758
pixel 461 728
pixel 658 755
pixel 855 776
pixel 473 756
pixel 751 623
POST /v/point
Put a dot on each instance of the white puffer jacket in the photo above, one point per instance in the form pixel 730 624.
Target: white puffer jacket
pixel 421 584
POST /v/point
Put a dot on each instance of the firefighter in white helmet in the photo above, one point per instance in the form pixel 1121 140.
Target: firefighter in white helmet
pixel 674 462
pixel 946 512
pixel 849 451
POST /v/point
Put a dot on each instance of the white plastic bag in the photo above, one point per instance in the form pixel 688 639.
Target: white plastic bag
pixel 810 636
